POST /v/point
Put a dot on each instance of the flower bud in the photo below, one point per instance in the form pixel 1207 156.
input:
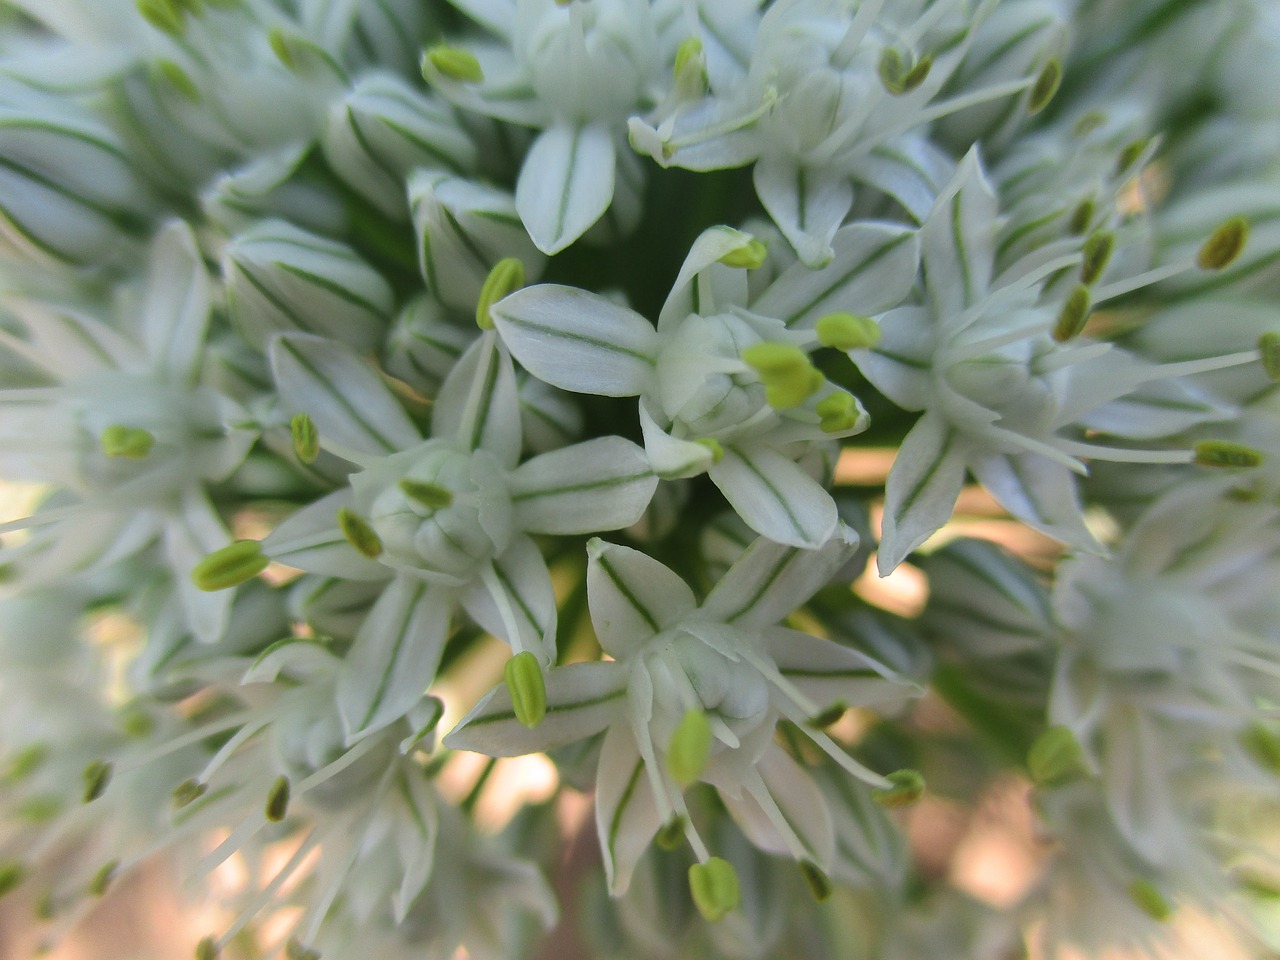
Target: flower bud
pixel 714 886
pixel 528 688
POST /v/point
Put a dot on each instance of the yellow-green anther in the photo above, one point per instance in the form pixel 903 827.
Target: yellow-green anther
pixel 455 63
pixel 690 50
pixel 41 808
pixel 99 882
pixel 306 438
pixel 1074 315
pixel 892 67
pixel 506 277
pixel 24 763
pixel 750 256
pixel 1150 900
pixel 178 78
pixel 132 443
pixel 164 15
pixel 12 874
pixel 207 949
pixel 294 950
pixel 528 688
pixel 1046 86
pixel 714 445
pixel 96 777
pixel 279 44
pixel 188 791
pixel 690 747
pixel 1081 217
pixel 671 834
pixel 906 787
pixel 1088 123
pixel 278 800
pixel 1223 245
pixel 818 882
pixel 917 74
pixel 358 533
pixel 1263 745
pixel 1225 453
pixel 1269 351
pixel 1097 254
pixel 847 331
pixel 1056 757
pixel 714 886
pixel 837 411
pixel 828 715
pixel 231 566
pixel 1129 155
pixel 430 495
pixel 785 370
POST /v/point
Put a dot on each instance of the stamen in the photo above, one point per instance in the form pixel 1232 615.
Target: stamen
pixel 454 63
pixel 528 688
pixel 714 887
pixel 306 438
pixel 690 747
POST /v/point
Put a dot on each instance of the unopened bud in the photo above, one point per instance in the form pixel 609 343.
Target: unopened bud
pixel 231 566
pixel 714 886
pixel 528 688
pixel 1223 245
pixel 506 277
pixel 906 787
pixel 179 79
pixel 131 443
pixel 306 438
pixel 690 747
pixel 454 63
pixel 358 533
pixel 847 331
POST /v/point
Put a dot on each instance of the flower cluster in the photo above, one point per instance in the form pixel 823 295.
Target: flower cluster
pixel 397 381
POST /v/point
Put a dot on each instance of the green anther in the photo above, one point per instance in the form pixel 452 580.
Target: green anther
pixel 818 882
pixel 750 256
pixel 24 763
pixel 1074 315
pixel 714 886
pixel 897 77
pixel 1097 254
pixel 1269 350
pixel 528 688
pixel 917 74
pixel 837 411
pixel 294 950
pixel 1223 245
pixel 907 786
pixel 506 277
pixel 1056 757
pixel 455 63
pixel 12 874
pixel 133 443
pixel 99 882
pixel 164 15
pixel 41 808
pixel 207 949
pixel 714 445
pixel 689 55
pixel 231 566
pixel 188 791
pixel 847 331
pixel 1225 453
pixel 1150 900
pixel 178 78
pixel 96 777
pixel 358 533
pixel 671 834
pixel 828 715
pixel 1046 86
pixel 1081 217
pixel 690 747
pixel 430 495
pixel 278 800
pixel 306 438
pixel 135 721
pixel 1088 123
pixel 785 370
pixel 279 43
pixel 1263 745
pixel 1129 155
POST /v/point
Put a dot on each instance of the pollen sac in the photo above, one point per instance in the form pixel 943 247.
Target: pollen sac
pixel 133 443
pixel 1224 453
pixel 1056 757
pixel 97 775
pixel 714 886
pixel 358 533
pixel 278 800
pixel 690 747
pixel 907 786
pixel 1074 315
pixel 818 882
pixel 306 438
pixel 1224 245
pixel 231 566
pixel 1269 351
pixel 528 688
pixel 847 331
pixel 1150 900
pixel 786 372
pixel 454 63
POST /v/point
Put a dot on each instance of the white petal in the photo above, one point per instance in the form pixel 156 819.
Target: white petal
pixel 704 285
pixel 1139 790
pixel 670 458
pixel 874 268
pixel 582 699
pixel 921 491
pixel 523 587
pixel 632 596
pixel 478 406
pixel 341 392
pixel 1038 492
pixel 800 804
pixel 179 295
pixel 578 341
pixel 900 365
pixel 602 484
pixel 827 672
pixel 959 241
pixel 394 656
pixel 775 496
pixel 626 814
pixel 416 840
pixel 566 183
pixel 807 204
pixel 910 169
pixel 770 580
